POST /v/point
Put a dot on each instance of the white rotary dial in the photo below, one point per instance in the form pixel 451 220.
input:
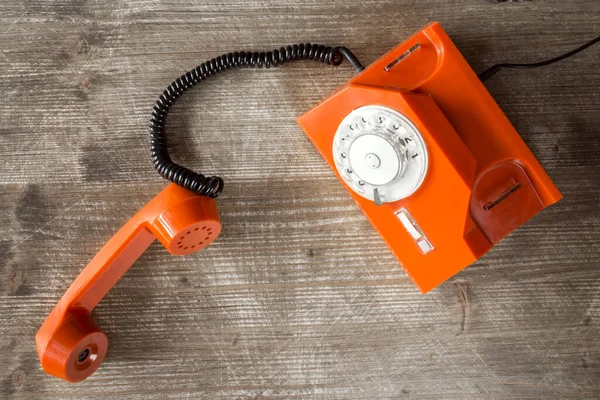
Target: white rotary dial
pixel 380 154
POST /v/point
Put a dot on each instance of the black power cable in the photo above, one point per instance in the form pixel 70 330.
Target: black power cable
pixel 495 68
pixel 212 186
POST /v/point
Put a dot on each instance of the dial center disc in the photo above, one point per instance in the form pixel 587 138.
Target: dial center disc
pixel 374 159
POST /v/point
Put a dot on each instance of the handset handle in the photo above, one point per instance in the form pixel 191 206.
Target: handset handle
pixel 108 266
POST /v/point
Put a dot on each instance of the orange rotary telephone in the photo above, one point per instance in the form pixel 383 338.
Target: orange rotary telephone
pixel 415 138
pixel 429 156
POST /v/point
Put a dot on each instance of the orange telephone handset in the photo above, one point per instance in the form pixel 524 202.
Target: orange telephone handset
pixel 69 343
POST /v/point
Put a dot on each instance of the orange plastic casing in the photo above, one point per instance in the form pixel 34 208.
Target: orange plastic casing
pixel 482 180
pixel 69 343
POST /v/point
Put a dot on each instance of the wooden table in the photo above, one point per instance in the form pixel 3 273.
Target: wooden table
pixel 299 297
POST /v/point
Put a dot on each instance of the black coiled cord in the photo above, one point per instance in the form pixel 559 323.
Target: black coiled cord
pixel 212 186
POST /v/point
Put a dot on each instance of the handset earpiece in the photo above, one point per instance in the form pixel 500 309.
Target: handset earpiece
pixel 69 343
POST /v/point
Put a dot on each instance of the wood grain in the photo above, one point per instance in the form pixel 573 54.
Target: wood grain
pixel 299 298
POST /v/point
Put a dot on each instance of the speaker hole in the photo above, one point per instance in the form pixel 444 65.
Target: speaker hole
pixel 83 355
pixel 206 238
pixel 196 229
pixel 188 232
pixel 193 247
pixel 203 228
pixel 185 248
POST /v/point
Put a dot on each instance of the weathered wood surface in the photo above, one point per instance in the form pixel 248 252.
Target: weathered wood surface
pixel 299 298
